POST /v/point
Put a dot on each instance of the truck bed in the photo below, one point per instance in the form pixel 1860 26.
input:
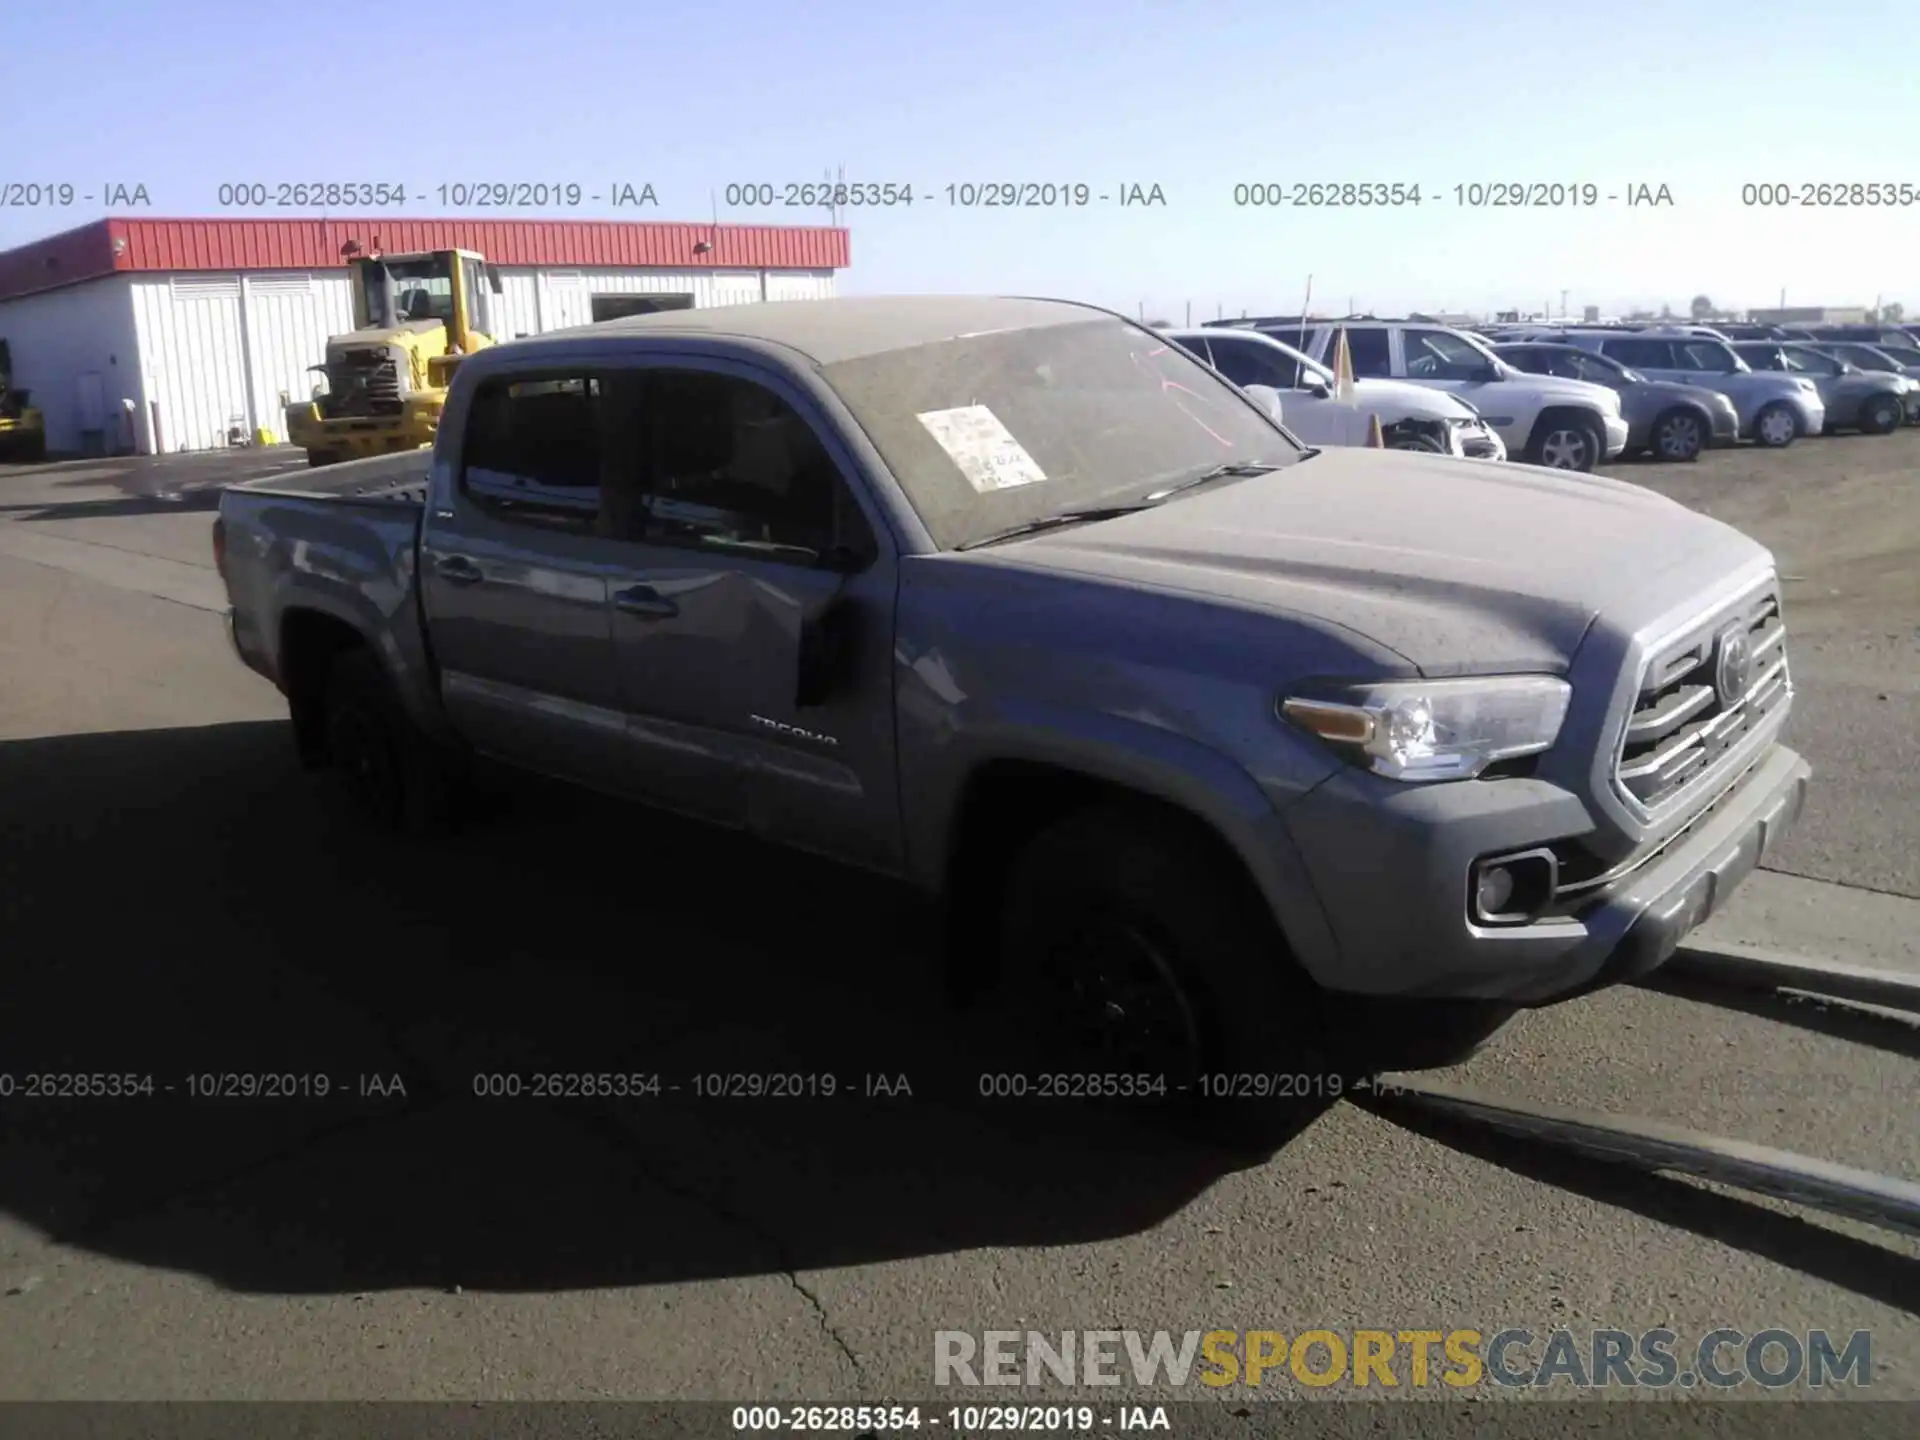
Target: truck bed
pixel 388 479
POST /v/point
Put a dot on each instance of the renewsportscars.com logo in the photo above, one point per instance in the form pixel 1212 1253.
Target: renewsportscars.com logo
pixel 1459 1359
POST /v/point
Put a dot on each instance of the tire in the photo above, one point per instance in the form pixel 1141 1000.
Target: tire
pixel 1679 436
pixel 1776 426
pixel 384 775
pixel 1573 443
pixel 1882 415
pixel 317 458
pixel 1132 953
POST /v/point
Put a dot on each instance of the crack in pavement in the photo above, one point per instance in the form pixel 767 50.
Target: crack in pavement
pixel 608 1127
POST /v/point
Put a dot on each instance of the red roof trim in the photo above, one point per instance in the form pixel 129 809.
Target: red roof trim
pixel 108 246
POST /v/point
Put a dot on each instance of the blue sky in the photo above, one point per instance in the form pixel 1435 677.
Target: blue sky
pixel 1196 96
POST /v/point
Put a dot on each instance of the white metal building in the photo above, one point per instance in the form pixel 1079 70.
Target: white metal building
pixel 152 336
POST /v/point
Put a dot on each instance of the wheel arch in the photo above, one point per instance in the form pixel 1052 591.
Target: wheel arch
pixel 1005 799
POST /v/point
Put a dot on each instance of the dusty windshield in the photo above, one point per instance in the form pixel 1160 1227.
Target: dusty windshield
pixel 989 431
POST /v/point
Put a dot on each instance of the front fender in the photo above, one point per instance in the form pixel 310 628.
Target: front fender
pixel 1138 756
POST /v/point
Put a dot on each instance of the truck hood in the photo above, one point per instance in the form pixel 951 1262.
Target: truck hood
pixel 1404 399
pixel 1455 565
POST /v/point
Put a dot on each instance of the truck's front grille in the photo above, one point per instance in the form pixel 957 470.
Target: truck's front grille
pixel 364 383
pixel 1698 698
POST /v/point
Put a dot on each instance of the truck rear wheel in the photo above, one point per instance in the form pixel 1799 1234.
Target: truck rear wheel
pixel 384 772
pixel 1132 955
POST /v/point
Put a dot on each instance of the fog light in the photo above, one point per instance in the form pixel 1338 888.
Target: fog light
pixel 1494 891
pixel 1514 889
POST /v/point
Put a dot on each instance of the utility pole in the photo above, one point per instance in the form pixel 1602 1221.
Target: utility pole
pixel 1189 315
pixel 1563 304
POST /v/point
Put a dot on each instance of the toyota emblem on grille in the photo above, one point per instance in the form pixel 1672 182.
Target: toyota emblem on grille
pixel 1733 670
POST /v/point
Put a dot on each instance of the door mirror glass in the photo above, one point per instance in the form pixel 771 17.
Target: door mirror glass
pixel 1268 399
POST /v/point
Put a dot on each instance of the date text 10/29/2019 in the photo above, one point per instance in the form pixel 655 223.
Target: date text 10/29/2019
pixel 960 1419
pixel 1469 195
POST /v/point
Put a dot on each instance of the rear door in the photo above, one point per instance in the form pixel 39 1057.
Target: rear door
pixel 751 525
pixel 514 580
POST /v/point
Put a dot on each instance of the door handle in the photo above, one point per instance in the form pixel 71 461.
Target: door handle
pixel 458 570
pixel 645 602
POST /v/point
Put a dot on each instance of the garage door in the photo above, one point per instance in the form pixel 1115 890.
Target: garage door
pixel 197 377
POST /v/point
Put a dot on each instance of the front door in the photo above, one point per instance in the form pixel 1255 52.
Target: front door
pixel 749 531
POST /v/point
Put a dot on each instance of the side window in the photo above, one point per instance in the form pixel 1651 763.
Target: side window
pixel 1371 351
pixel 1567 367
pixel 1436 355
pixel 1807 362
pixel 1639 354
pixel 532 451
pixel 1248 362
pixel 1708 356
pixel 731 466
pixel 1195 346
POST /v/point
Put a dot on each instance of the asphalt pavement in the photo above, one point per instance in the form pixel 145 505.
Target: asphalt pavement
pixel 179 904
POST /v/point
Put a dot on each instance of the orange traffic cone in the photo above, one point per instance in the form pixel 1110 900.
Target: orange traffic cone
pixel 1374 438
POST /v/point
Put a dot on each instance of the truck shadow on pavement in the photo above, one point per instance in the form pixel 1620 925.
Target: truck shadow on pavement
pixel 179 908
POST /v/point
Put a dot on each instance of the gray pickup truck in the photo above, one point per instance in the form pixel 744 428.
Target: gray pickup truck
pixel 1223 754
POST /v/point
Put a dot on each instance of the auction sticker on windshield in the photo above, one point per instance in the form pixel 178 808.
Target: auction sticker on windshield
pixel 982 447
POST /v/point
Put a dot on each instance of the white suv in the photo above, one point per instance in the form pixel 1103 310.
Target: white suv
pixel 1412 417
pixel 1544 419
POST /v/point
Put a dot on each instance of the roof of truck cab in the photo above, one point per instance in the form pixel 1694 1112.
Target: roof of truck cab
pixel 844 328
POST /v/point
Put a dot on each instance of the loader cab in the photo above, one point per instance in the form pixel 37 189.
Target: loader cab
pixel 452 287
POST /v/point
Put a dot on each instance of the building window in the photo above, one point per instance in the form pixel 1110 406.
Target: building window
pixel 614 307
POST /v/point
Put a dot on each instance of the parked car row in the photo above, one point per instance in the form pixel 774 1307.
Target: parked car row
pixel 1568 397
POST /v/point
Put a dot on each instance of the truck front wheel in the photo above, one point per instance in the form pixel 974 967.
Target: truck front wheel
pixel 384 772
pixel 1144 965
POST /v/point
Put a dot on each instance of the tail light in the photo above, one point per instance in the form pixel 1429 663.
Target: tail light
pixel 220 546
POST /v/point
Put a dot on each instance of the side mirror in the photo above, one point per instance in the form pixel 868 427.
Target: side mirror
pixel 1316 387
pixel 828 653
pixel 1485 375
pixel 1268 399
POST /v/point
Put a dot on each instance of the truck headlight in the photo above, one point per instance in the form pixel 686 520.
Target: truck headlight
pixel 1420 730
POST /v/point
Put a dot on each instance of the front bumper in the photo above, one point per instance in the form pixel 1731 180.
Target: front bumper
pixel 1480 441
pixel 1616 435
pixel 1726 426
pixel 359 437
pixel 1391 865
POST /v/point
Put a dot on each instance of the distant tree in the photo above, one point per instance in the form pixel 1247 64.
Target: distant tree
pixel 1892 313
pixel 1666 312
pixel 1702 308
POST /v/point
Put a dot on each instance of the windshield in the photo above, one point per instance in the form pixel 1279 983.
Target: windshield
pixel 1308 365
pixel 403 290
pixel 1503 368
pixel 988 431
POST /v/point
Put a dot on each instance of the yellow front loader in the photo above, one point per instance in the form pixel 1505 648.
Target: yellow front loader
pixel 415 317
pixel 23 430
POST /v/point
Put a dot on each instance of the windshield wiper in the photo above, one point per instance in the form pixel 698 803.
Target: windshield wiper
pixel 1230 469
pixel 1055 521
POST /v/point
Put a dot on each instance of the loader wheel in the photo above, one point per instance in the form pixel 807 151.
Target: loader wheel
pixel 317 458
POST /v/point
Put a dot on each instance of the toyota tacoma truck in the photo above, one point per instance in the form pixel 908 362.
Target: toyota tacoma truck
pixel 1221 754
